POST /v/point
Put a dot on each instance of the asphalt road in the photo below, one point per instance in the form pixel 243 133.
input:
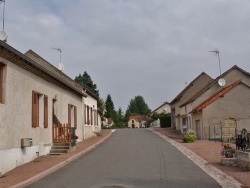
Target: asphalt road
pixel 130 158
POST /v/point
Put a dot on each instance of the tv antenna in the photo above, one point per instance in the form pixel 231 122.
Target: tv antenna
pixel 217 52
pixel 3 1
pixel 3 34
pixel 60 66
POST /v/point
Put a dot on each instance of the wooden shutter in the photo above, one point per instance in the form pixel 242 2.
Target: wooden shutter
pixel 91 117
pixel 75 116
pixel 85 112
pixel 35 109
pixel 97 117
pixel 46 111
pixel 88 115
pixel 69 115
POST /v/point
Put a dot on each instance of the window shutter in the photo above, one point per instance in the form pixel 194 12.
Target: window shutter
pixel 91 116
pixel 88 115
pixel 35 109
pixel 85 112
pixel 75 117
pixel 45 111
pixel 97 117
pixel 69 115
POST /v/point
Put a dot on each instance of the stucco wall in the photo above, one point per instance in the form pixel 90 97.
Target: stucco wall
pixel 16 115
pixel 89 130
pixel 136 123
pixel 234 104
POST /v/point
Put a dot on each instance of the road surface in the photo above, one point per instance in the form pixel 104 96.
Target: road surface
pixel 130 158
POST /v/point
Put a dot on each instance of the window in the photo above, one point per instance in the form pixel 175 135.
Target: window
pixel 72 115
pixel 2 66
pixel 39 110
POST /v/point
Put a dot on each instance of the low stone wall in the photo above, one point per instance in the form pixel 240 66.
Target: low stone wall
pixel 243 159
pixel 229 161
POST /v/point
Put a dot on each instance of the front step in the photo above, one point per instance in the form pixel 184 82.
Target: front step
pixel 59 148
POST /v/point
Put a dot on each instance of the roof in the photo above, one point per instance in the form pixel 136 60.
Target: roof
pixel 139 118
pixel 187 88
pixel 40 67
pixel 208 86
pixel 216 96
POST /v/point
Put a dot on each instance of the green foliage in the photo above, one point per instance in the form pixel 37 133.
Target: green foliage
pixel 137 106
pixel 189 137
pixel 165 119
pixel 110 110
pixel 120 125
pixel 86 81
pixel 120 115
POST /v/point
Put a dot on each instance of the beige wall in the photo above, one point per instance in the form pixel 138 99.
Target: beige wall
pixel 16 116
pixel 197 85
pixel 234 104
pixel 136 123
pixel 89 130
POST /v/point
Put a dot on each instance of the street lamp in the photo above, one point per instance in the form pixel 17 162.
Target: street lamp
pixel 218 54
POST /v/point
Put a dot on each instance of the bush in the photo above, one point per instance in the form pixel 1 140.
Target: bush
pixel 189 137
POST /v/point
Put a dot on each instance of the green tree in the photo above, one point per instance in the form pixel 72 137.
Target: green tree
pixel 120 115
pixel 109 106
pixel 86 81
pixel 110 110
pixel 137 106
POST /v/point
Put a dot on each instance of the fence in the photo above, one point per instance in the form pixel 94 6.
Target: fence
pixel 222 133
pixel 61 133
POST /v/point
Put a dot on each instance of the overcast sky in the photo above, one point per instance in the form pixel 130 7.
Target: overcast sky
pixel 150 48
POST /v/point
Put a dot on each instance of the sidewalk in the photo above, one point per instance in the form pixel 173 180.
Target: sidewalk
pixel 42 166
pixel 210 151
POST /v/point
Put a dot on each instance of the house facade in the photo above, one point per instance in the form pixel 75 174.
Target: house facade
pixel 92 118
pixel 211 107
pixel 137 121
pixel 164 108
pixel 182 121
pixel 36 98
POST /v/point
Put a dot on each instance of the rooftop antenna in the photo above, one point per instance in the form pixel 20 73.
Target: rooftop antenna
pixel 3 34
pixel 60 66
pixel 217 52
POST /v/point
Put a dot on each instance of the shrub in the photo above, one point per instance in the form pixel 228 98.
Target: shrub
pixel 189 137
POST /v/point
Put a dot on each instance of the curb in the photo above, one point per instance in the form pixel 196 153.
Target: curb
pixel 220 177
pixel 58 166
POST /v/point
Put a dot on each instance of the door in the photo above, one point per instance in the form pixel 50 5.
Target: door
pixel 198 129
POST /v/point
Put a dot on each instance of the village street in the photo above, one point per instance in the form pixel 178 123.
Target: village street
pixel 130 158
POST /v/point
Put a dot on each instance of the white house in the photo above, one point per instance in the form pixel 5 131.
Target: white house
pixel 34 98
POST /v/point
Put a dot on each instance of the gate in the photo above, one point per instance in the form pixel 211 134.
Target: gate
pixel 61 133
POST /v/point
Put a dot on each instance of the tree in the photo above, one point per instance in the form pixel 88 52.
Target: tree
pixel 110 109
pixel 109 105
pixel 120 115
pixel 137 106
pixel 86 81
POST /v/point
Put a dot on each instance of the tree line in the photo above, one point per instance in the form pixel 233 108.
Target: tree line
pixel 137 105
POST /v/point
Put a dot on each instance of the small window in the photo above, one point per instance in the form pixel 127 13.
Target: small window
pixel 39 110
pixel 72 115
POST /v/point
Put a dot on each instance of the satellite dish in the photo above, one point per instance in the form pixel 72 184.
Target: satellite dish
pixel 3 35
pixel 221 82
pixel 61 67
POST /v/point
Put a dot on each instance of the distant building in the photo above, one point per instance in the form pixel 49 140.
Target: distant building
pixel 137 121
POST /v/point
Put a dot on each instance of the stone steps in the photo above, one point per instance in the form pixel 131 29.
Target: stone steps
pixel 59 148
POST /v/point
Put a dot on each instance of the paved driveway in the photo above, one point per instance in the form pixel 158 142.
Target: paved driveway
pixel 135 158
